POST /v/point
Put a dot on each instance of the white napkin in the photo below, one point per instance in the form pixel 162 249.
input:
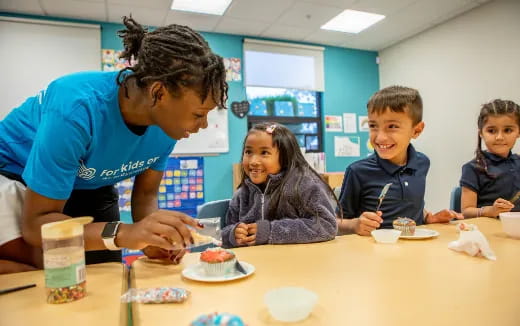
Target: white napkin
pixel 472 241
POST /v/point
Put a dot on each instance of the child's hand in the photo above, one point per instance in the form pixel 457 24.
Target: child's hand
pixel 242 235
pixel 443 216
pixel 501 205
pixel 251 231
pixel 367 222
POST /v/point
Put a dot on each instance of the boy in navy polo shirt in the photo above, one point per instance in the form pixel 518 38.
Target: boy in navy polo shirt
pixel 395 118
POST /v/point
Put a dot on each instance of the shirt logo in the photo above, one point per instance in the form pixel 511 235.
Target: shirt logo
pixel 84 172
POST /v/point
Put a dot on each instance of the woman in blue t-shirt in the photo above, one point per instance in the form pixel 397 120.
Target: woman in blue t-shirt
pixel 62 151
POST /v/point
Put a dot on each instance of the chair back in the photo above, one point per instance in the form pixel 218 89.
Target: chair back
pixel 455 199
pixel 216 208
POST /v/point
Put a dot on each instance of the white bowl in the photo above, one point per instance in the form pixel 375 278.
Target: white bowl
pixel 386 235
pixel 511 223
pixel 290 304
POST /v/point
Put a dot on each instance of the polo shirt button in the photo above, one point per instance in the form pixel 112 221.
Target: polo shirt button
pixel 406 183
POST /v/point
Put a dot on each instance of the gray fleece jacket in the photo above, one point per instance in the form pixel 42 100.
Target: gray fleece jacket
pixel 291 224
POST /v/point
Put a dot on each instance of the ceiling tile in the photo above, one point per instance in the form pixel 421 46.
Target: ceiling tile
pixel 240 26
pixel 145 16
pixel 287 32
pixel 31 7
pixel 150 4
pixel 327 37
pixel 75 9
pixel 199 22
pixel 308 15
pixel 265 10
pixel 381 7
pixel 342 4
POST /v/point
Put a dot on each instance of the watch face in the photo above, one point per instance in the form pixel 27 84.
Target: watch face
pixel 109 231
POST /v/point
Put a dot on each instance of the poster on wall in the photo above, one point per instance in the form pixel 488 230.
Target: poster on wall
pixel 182 186
pixel 347 146
pixel 112 61
pixel 363 123
pixel 349 123
pixel 233 69
pixel 333 123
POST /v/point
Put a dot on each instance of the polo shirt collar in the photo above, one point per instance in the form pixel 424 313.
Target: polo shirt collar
pixel 391 168
pixel 497 159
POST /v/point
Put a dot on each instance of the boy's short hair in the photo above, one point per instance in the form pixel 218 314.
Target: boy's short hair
pixel 397 99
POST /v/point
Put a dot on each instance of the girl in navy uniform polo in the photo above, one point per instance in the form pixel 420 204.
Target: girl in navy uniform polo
pixel 491 180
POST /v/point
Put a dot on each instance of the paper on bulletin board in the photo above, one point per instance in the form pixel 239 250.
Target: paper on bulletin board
pixel 363 123
pixel 333 123
pixel 211 140
pixel 233 69
pixel 349 123
pixel 348 146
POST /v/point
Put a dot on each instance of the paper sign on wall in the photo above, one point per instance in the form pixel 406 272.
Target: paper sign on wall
pixel 363 123
pixel 349 123
pixel 348 146
pixel 333 123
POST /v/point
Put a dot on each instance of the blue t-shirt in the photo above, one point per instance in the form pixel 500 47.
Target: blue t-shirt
pixel 72 136
pixel 504 183
pixel 365 179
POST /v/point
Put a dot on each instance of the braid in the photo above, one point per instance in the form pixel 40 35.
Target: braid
pixel 495 108
pixel 174 55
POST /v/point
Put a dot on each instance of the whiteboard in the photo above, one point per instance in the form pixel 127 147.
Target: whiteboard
pixel 212 140
pixel 35 52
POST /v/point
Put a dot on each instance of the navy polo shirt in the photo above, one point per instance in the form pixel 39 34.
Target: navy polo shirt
pixel 365 179
pixel 505 184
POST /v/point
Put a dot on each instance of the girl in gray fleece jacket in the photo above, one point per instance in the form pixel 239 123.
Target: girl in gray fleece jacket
pixel 281 198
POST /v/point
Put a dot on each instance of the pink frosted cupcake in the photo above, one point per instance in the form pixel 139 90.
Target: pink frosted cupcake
pixel 405 225
pixel 217 261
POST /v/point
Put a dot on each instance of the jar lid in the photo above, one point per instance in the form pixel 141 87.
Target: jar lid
pixel 65 229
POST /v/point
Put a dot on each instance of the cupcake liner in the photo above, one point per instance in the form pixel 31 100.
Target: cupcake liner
pixel 218 269
pixel 405 229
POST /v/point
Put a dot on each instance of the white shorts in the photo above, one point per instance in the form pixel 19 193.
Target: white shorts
pixel 12 195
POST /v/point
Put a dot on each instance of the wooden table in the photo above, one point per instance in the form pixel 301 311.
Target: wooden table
pixel 101 306
pixel 359 282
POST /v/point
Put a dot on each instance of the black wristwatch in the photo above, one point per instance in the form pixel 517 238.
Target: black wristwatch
pixel 109 235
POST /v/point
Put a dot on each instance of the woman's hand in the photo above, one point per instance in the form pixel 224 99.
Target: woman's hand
pixel 164 229
pixel 169 256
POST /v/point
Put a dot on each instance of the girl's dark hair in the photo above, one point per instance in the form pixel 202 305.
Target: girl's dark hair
pixel 291 161
pixel 174 55
pixel 494 108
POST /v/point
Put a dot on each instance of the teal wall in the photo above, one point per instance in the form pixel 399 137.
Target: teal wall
pixel 351 76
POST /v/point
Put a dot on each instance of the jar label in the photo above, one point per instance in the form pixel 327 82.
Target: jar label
pixel 65 276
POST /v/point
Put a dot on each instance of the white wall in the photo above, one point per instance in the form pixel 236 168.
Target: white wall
pixel 35 52
pixel 457 66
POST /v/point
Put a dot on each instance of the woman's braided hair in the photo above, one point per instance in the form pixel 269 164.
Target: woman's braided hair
pixel 174 55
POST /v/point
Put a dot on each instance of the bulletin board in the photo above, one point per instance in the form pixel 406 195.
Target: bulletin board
pixel 182 186
pixel 212 140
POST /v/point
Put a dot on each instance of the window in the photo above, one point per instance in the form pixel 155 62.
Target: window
pixel 283 84
pixel 298 110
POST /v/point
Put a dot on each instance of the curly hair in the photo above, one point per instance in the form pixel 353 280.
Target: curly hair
pixel 174 55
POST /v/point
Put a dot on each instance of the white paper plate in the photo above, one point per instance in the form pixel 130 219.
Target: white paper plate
pixel 421 234
pixel 196 273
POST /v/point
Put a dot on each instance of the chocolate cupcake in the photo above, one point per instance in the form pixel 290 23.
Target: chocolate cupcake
pixel 405 225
